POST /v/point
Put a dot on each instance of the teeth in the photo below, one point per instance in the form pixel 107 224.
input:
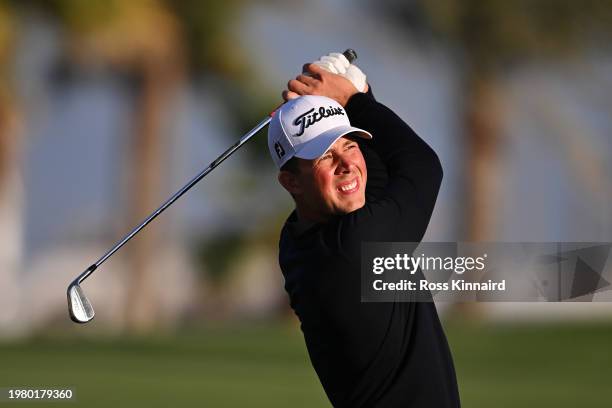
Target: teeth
pixel 349 186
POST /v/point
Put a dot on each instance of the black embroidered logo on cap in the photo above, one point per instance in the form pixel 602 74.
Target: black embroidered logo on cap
pixel 311 117
pixel 279 150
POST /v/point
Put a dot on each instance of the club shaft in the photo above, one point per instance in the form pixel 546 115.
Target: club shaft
pixel 175 197
pixel 350 54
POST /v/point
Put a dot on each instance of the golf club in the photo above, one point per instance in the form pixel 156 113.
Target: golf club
pixel 79 307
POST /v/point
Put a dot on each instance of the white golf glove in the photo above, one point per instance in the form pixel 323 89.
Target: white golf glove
pixel 336 63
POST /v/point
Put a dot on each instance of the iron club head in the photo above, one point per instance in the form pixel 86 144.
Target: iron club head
pixel 79 307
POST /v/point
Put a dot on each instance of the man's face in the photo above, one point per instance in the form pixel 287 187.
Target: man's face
pixel 334 183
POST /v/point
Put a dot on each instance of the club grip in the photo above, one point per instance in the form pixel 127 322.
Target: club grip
pixel 350 55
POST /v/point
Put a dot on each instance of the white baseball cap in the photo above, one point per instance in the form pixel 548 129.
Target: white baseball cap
pixel 306 127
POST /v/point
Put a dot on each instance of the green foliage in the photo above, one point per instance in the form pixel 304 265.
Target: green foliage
pixel 216 256
pixel 216 53
pixel 495 32
pixel 6 32
pixel 208 30
pixel 249 105
pixel 77 15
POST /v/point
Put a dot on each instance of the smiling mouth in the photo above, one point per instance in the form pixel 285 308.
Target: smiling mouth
pixel 349 188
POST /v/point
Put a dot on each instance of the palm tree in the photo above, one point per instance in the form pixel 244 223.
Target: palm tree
pixel 159 45
pixel 11 192
pixel 142 39
pixel 491 37
pixel 6 110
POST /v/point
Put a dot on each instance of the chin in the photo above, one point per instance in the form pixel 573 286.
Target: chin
pixel 352 206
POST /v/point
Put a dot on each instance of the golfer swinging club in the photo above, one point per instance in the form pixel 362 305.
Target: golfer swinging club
pixel 391 354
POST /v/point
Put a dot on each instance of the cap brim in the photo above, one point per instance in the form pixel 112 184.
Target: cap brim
pixel 316 147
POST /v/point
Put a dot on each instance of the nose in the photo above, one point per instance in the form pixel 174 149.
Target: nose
pixel 344 164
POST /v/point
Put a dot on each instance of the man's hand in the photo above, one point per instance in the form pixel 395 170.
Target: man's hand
pixel 317 81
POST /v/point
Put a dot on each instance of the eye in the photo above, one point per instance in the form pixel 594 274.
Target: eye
pixel 326 156
pixel 351 146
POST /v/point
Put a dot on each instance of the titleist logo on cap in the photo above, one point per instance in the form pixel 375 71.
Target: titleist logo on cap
pixel 311 117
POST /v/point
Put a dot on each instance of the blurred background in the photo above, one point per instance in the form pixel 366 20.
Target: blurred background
pixel 107 107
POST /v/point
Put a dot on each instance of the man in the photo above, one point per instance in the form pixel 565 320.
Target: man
pixel 377 181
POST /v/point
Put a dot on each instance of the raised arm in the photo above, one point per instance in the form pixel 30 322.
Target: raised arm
pixel 403 210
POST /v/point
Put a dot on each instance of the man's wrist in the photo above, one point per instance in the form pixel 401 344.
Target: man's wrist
pixel 358 103
pixel 344 99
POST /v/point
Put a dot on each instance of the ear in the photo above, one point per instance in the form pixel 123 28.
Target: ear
pixel 290 182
